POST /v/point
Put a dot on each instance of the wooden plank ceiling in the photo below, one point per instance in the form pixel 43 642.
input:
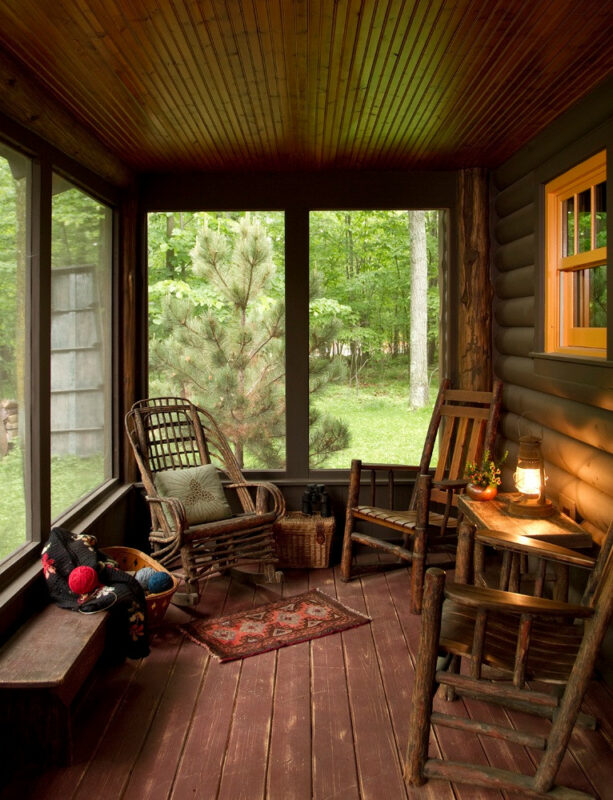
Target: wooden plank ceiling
pixel 311 84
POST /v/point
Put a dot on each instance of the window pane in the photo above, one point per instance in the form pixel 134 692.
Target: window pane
pixel 568 217
pixel 217 323
pixel 14 223
pixel 80 345
pixel 590 297
pixel 585 221
pixel 600 194
pixel 363 326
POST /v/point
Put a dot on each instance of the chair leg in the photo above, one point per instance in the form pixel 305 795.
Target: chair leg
pixel 352 500
pixel 425 670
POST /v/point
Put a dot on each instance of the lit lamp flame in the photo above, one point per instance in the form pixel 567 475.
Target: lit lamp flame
pixel 530 481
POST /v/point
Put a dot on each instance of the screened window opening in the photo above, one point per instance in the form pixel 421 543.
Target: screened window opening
pixel 14 351
pixel 81 373
pixel 217 323
pixel 374 333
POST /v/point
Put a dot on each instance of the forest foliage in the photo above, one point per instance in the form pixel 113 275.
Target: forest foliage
pixel 217 341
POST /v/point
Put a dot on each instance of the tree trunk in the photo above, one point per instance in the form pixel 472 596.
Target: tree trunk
pixel 418 370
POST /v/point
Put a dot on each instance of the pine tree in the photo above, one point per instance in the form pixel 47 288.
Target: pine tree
pixel 225 344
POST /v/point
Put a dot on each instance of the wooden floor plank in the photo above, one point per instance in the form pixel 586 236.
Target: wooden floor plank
pixel 334 768
pixel 201 766
pixel 397 672
pixel 379 770
pixel 246 761
pixel 167 736
pixel 289 762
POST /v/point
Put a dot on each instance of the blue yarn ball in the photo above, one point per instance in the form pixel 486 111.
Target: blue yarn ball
pixel 144 575
pixel 160 582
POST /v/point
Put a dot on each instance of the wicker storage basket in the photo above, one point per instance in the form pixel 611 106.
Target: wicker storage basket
pixel 130 560
pixel 303 540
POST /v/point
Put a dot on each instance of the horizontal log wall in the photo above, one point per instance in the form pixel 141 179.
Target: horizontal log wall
pixel 566 402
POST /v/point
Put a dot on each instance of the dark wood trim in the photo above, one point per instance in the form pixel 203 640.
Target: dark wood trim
pixel 24 100
pixel 272 191
pixel 297 342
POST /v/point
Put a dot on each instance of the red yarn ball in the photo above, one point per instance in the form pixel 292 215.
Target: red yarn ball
pixel 83 580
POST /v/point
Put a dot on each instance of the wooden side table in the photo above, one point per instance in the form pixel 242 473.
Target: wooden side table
pixel 495 515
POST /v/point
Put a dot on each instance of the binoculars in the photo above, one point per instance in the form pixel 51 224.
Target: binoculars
pixel 315 498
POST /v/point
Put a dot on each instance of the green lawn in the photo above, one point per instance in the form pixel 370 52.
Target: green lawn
pixel 383 429
pixel 73 477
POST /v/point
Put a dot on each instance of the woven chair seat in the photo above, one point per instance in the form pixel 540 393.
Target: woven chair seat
pixel 399 520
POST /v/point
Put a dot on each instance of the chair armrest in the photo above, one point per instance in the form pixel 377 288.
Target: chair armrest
pixel 524 544
pixel 262 488
pixel 511 602
pixel 177 512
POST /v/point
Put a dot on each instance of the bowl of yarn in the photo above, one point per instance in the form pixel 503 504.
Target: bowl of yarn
pixel 158 583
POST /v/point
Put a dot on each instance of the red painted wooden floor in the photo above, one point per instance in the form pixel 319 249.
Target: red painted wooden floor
pixel 325 719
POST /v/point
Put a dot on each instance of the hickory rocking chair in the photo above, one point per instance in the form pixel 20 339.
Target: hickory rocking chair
pixel 466 423
pixel 523 638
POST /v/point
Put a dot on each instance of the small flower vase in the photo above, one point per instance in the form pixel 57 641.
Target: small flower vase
pixel 481 492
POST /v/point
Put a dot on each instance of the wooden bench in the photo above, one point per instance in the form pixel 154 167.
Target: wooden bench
pixel 42 667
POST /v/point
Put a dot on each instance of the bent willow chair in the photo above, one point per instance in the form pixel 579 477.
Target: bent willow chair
pixel 465 423
pixel 514 636
pixel 212 527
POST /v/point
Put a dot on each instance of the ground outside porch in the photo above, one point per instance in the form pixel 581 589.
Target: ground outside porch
pixel 323 720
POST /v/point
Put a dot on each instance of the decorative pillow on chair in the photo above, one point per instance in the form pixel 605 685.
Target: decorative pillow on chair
pixel 199 489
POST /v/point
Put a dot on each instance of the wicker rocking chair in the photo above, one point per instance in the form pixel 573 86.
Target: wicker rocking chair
pixel 170 434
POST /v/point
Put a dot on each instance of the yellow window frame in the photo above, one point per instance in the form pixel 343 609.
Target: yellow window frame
pixel 561 335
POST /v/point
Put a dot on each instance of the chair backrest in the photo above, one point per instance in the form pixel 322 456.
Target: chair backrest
pixel 466 423
pixel 171 432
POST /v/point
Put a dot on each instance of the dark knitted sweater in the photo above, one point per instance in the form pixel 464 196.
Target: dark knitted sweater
pixel 120 593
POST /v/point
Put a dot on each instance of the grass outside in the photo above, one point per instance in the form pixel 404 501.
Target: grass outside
pixel 72 478
pixel 383 428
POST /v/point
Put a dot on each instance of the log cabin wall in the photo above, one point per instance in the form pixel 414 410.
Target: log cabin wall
pixel 566 401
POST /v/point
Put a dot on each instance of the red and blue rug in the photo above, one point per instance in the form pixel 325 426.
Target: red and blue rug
pixel 274 625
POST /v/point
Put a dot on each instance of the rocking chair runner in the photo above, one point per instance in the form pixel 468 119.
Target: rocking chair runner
pixel 522 637
pixel 467 422
pixel 170 433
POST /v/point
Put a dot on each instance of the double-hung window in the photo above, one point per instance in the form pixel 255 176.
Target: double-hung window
pixel 576 260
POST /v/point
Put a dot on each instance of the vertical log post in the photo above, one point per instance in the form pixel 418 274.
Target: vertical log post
pixel 475 287
pixel 425 669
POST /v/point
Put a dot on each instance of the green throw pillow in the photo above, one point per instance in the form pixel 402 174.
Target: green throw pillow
pixel 199 489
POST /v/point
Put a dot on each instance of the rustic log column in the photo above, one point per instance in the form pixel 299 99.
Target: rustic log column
pixel 475 291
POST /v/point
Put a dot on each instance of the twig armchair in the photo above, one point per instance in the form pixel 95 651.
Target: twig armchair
pixel 170 437
pixel 466 424
pixel 520 637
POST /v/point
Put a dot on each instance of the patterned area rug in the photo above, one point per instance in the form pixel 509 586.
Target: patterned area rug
pixel 274 625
